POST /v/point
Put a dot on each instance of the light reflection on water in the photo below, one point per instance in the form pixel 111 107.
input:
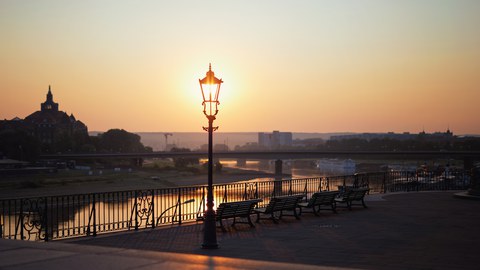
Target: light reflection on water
pixel 295 168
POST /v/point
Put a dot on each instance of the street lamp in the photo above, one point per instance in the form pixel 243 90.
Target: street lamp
pixel 210 87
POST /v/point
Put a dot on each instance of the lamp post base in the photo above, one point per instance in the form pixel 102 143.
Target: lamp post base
pixel 210 246
pixel 210 234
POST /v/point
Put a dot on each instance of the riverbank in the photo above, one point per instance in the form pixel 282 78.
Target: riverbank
pixel 83 182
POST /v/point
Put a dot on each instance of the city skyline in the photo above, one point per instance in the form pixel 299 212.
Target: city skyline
pixel 318 66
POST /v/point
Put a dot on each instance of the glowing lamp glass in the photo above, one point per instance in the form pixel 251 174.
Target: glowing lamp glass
pixel 210 86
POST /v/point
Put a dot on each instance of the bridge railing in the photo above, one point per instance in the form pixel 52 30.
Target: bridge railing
pixel 78 215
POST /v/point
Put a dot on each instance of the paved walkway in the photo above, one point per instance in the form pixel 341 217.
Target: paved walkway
pixel 428 230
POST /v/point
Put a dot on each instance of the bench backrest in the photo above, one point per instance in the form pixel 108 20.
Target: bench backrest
pixel 360 193
pixel 355 194
pixel 319 198
pixel 232 209
pixel 283 203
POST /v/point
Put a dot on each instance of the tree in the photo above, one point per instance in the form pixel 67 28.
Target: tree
pixel 120 141
pixel 183 162
pixel 19 145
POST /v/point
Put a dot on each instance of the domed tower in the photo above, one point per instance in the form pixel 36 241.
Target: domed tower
pixel 49 105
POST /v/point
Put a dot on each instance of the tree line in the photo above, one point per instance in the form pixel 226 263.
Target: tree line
pixel 18 144
pixel 379 144
pixel 387 144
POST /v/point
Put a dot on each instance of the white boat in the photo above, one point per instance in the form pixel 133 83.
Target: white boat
pixel 336 165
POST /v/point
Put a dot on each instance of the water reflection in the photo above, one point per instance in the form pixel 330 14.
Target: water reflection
pixel 299 168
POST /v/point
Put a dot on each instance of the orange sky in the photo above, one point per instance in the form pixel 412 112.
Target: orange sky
pixel 301 66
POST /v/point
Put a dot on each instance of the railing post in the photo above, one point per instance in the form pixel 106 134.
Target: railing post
pixel 305 189
pixel 153 208
pixel 225 194
pixel 94 211
pixel 136 212
pixel 45 220
pixel 384 182
pixel 179 203
pixel 355 180
pixel 21 220
pixel 409 188
pixel 245 197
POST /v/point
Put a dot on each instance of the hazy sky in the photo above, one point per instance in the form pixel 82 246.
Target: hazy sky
pixel 310 66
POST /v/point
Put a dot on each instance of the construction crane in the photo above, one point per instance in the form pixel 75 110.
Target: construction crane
pixel 166 139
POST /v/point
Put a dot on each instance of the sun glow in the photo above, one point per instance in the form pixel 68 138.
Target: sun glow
pixel 136 66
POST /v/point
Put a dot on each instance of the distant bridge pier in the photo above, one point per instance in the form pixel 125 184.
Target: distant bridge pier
pixel 277 187
pixel 137 162
pixel 241 162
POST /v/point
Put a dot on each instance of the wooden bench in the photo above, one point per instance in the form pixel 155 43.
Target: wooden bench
pixel 318 199
pixel 280 204
pixel 240 209
pixel 352 195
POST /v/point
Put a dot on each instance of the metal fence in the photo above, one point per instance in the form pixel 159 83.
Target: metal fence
pixel 58 217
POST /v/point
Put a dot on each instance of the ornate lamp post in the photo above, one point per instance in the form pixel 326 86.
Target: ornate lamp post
pixel 210 87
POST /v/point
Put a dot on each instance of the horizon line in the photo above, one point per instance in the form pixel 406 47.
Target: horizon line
pixel 308 132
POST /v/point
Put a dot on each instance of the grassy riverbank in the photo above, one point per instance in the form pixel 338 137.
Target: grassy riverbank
pixel 66 182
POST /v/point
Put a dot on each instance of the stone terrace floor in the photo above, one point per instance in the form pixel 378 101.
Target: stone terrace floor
pixel 426 230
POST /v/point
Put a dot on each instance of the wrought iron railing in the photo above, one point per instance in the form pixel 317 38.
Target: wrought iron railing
pixel 59 217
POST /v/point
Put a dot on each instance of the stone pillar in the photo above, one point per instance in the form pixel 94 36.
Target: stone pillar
pixel 474 189
pixel 278 169
pixel 467 163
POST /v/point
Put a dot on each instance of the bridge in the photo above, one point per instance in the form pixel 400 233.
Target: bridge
pixel 274 154
pixel 469 157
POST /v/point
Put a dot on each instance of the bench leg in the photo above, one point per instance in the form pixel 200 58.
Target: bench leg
pixel 250 222
pixel 221 226
pixel 281 214
pixel 274 219
pixel 334 208
pixel 295 213
pixel 363 203
pixel 316 212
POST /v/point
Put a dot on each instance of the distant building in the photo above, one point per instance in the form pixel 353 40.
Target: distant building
pixel 371 136
pixel 16 124
pixel 437 136
pixel 448 135
pixel 275 140
pixel 49 125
